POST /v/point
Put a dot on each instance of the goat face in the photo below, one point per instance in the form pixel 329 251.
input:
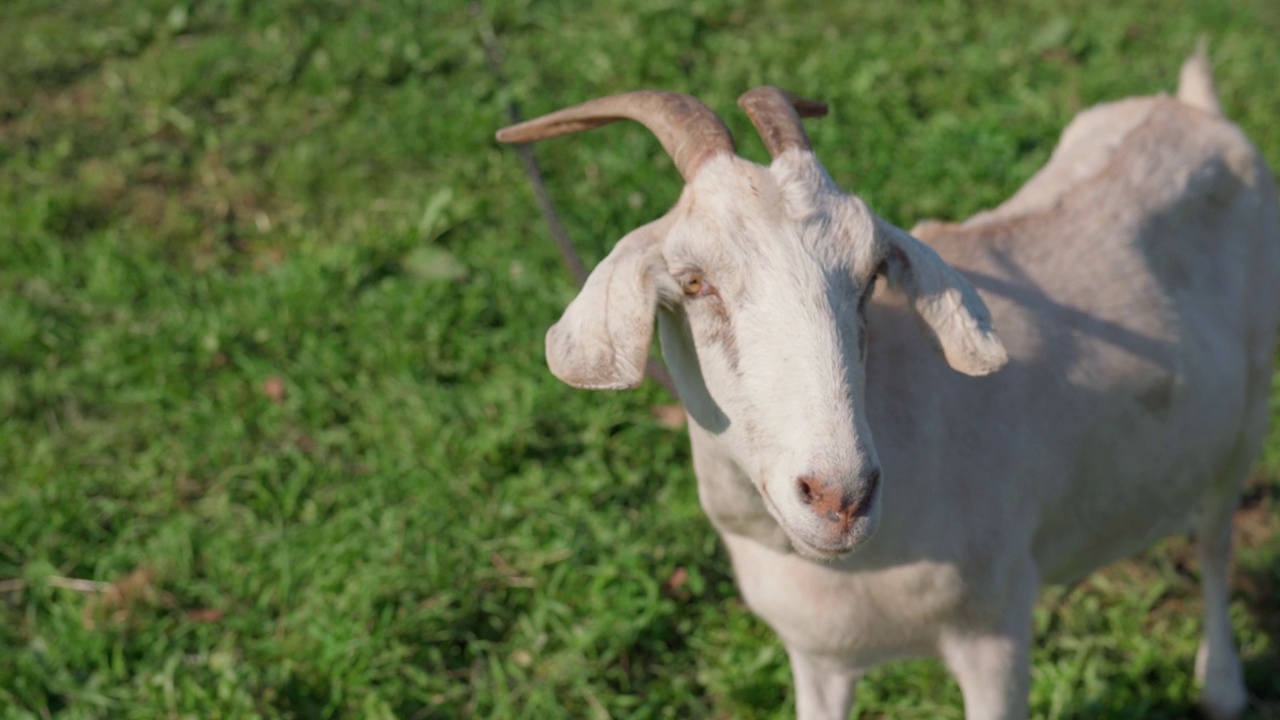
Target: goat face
pixel 759 277
pixel 766 339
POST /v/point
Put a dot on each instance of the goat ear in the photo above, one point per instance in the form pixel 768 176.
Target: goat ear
pixel 950 310
pixel 602 340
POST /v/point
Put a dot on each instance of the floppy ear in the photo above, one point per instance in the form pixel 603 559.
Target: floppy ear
pixel 602 340
pixel 950 310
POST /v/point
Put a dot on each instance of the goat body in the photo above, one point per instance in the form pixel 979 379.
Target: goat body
pixel 1115 394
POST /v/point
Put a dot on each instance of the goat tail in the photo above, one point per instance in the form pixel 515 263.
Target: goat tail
pixel 1195 82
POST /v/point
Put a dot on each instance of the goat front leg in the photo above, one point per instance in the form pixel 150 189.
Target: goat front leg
pixel 991 661
pixel 824 688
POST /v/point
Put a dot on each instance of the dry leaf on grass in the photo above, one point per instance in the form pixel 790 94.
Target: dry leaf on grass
pixel 678 578
pixel 669 416
pixel 116 603
pixel 510 575
pixel 204 615
pixel 273 388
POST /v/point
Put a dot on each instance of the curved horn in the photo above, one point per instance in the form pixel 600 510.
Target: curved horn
pixel 776 114
pixel 689 131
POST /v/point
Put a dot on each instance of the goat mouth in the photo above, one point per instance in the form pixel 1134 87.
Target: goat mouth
pixel 847 544
pixel 850 540
pixel 821 553
pixel 854 535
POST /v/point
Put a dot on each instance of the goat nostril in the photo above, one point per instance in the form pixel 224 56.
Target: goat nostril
pixel 805 487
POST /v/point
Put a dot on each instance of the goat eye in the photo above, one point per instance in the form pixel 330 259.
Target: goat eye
pixel 692 285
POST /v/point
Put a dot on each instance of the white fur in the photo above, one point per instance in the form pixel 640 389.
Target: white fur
pixel 1135 287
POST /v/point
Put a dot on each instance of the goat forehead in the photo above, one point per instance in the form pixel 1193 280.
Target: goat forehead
pixel 818 252
pixel 747 255
pixel 789 220
pixel 838 226
pixel 739 237
pixel 746 229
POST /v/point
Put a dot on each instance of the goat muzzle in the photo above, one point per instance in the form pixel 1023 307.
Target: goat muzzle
pixel 837 505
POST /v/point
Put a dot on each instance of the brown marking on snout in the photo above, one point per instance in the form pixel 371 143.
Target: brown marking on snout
pixel 861 320
pixel 716 327
pixel 835 504
pixel 724 337
pixel 721 331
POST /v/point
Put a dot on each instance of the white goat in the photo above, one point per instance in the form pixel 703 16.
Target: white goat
pixel 1135 284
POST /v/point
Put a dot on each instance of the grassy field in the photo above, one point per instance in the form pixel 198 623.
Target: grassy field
pixel 276 435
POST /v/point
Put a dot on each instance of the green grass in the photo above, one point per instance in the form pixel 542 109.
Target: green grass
pixel 271 316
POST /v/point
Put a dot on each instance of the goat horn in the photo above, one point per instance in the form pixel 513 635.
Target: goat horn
pixel 689 131
pixel 776 114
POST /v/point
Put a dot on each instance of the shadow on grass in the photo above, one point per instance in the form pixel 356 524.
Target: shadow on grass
pixel 303 699
pixel 1258 581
